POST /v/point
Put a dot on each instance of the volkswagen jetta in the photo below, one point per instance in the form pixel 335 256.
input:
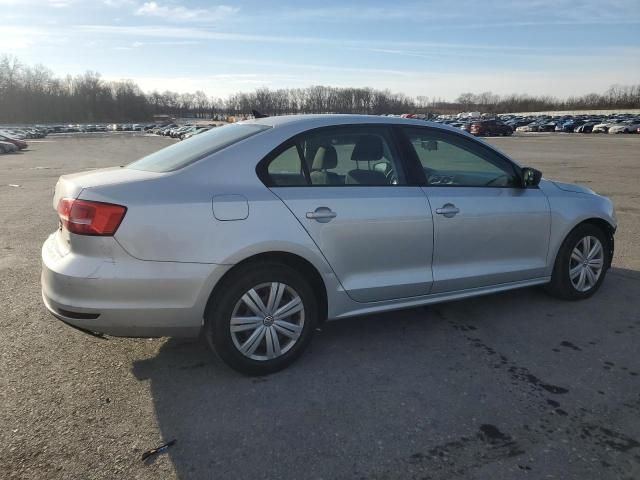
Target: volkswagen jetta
pixel 255 233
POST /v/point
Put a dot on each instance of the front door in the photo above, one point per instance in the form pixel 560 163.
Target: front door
pixel 488 230
pixel 347 188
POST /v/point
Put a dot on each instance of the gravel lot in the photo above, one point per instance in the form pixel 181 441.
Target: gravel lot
pixel 515 385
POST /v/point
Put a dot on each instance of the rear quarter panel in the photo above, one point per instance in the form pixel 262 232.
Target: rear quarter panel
pixel 171 218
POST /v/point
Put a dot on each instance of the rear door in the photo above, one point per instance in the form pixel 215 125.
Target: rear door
pixel 347 187
pixel 488 230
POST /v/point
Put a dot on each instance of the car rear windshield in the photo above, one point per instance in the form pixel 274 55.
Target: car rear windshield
pixel 195 148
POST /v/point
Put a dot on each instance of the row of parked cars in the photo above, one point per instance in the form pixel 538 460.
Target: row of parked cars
pixel 173 130
pixel 182 132
pixel 583 124
pixel 483 127
pixel 507 124
pixel 130 127
pixel 87 128
pixel 99 127
pixel 13 139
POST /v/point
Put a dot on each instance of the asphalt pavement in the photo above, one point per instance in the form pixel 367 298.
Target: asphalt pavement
pixel 514 385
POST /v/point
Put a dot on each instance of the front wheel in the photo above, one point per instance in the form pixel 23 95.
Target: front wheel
pixel 581 264
pixel 263 318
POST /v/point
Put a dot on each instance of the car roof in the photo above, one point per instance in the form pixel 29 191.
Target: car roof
pixel 310 121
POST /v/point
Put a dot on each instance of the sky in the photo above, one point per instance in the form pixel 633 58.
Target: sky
pixel 436 49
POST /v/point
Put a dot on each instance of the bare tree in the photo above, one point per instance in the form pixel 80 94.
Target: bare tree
pixel 34 94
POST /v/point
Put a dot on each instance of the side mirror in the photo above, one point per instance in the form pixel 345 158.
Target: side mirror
pixel 530 177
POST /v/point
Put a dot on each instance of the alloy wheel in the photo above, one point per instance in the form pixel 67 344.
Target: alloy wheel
pixel 586 263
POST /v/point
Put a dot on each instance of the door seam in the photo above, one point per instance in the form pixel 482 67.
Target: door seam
pixel 314 242
pixel 433 237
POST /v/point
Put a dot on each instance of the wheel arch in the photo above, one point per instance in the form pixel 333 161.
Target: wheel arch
pixel 601 223
pixel 289 259
pixel 608 229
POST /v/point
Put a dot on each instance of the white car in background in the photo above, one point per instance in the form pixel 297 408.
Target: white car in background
pixel 604 126
pixel 630 126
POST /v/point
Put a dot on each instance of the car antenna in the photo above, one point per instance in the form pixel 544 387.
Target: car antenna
pixel 257 114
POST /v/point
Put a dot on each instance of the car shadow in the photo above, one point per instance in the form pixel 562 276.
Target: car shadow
pixel 392 395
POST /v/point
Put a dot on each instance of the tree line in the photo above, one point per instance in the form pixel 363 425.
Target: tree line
pixel 616 97
pixel 33 94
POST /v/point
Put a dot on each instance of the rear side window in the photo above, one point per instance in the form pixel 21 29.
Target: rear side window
pixel 195 148
pixel 286 168
pixel 337 156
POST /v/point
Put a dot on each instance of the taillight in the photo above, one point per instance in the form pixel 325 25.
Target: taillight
pixel 84 217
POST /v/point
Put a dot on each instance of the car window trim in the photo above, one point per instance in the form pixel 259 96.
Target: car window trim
pixel 303 162
pixel 263 164
pixel 262 168
pixel 413 166
pixel 478 148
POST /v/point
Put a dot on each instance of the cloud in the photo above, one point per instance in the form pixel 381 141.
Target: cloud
pixel 161 31
pixel 218 85
pixel 117 3
pixel 38 3
pixel 471 14
pixel 60 3
pixel 154 9
pixel 176 43
pixel 446 85
pixel 24 38
pixel 369 13
pixel 321 67
pixel 424 49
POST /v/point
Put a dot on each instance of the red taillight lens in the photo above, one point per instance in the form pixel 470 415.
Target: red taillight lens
pixel 84 217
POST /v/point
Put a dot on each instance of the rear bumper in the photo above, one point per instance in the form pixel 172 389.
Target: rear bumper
pixel 122 296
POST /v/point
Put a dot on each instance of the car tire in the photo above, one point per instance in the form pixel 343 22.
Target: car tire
pixel 262 280
pixel 569 266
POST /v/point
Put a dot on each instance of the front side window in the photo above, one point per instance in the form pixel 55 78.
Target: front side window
pixel 338 156
pixel 197 147
pixel 449 160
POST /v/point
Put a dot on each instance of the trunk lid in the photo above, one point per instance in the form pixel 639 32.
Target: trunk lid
pixel 70 186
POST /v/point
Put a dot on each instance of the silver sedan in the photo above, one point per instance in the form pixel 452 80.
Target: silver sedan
pixel 257 232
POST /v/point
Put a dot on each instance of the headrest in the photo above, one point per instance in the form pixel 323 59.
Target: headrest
pixel 368 148
pixel 326 157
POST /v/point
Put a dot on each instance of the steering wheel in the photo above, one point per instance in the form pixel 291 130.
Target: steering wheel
pixel 428 172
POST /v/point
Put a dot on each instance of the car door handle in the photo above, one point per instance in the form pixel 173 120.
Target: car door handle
pixel 448 210
pixel 321 214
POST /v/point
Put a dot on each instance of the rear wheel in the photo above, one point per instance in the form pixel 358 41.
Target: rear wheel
pixel 581 264
pixel 263 318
